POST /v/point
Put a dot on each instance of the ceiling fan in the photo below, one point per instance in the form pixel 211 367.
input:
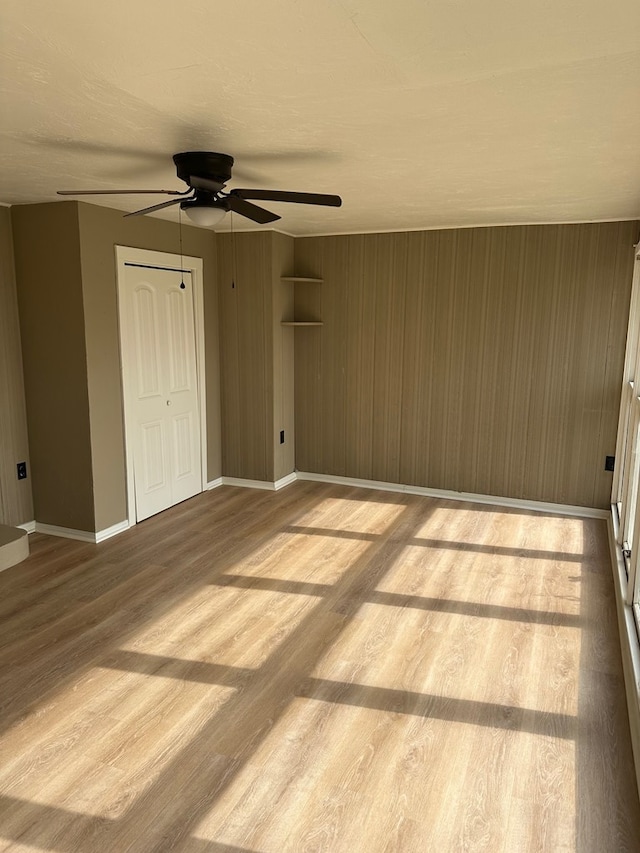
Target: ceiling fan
pixel 206 173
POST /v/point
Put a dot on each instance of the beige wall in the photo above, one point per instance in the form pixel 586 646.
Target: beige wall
pixel 16 504
pixel 482 360
pixel 65 260
pixel 101 229
pixel 47 256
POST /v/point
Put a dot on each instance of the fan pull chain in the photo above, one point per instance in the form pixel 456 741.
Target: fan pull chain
pixel 233 254
pixel 182 284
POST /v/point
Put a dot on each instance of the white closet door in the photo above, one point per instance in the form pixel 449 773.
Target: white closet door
pixel 161 387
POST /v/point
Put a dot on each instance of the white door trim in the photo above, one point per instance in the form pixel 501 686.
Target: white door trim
pixel 166 260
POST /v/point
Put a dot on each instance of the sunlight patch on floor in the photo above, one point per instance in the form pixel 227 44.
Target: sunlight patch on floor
pixel 393 770
pixel 352 515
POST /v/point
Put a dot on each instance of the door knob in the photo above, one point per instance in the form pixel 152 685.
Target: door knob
pixel 168 402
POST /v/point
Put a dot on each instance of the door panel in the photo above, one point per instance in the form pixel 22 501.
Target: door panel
pixel 147 348
pixel 152 474
pixel 180 344
pixel 182 449
pixel 162 406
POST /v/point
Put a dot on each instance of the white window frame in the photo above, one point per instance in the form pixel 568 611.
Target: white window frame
pixel 625 518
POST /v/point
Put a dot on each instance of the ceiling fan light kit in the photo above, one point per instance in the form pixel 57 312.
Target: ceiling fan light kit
pixel 206 174
pixel 204 215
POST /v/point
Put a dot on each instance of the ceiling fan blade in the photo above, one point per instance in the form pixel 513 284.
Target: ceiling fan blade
pixel 155 207
pixel 283 195
pixel 251 211
pixel 207 184
pixel 122 192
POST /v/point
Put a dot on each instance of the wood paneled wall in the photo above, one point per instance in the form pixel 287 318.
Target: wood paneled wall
pixel 16 505
pixel 485 360
pixel 256 355
pixel 246 362
pixel 283 357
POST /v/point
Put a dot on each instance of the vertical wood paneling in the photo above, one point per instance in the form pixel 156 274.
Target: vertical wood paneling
pixel 517 366
pixel 482 360
pixel 333 355
pixel 283 361
pixel 415 396
pixel 246 358
pixel 16 505
pixel 256 354
pixel 359 353
pixel 388 355
pixel 307 368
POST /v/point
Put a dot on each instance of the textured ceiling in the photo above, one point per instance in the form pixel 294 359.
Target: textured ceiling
pixel 419 114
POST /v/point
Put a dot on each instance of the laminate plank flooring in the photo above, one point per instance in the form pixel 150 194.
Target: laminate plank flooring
pixel 318 669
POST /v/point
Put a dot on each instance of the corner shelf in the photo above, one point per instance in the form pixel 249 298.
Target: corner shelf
pixel 301 279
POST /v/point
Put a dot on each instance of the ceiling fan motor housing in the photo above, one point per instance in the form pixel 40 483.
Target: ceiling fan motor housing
pixel 203 164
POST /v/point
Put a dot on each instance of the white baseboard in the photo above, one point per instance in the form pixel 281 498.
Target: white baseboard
pixel 266 485
pixel 108 532
pixel 444 494
pixel 82 535
pixel 285 481
pixel 248 484
pixel 66 532
pixel 629 645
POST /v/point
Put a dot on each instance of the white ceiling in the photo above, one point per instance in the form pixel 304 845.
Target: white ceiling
pixel 419 114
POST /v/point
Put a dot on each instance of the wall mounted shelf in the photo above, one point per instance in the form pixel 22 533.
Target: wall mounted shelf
pixel 301 279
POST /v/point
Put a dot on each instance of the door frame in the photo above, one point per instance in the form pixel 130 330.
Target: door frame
pixel 164 260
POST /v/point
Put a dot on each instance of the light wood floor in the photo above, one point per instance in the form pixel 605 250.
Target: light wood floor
pixel 320 669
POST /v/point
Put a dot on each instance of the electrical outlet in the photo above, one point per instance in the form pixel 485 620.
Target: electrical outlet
pixel 609 463
pixel 22 470
pixel 281 436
